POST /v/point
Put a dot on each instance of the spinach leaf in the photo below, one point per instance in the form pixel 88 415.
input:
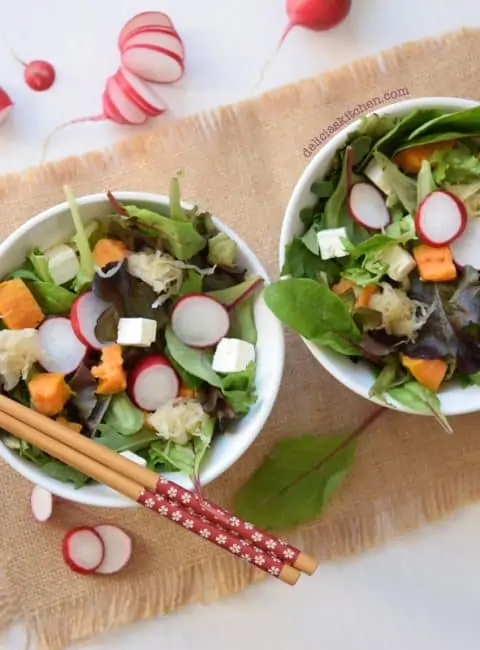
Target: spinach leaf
pixel 404 187
pixel 181 239
pixel 361 146
pixel 300 262
pixel 296 481
pixel 309 239
pixel 432 138
pixel 112 439
pixel 339 343
pixel 196 362
pixel 123 416
pixel 420 399
pixel 61 472
pixel 52 298
pixel 242 321
pixel 390 375
pixel 172 456
pixel 235 294
pixel 323 189
pixel 310 309
pixel 336 204
pixel 238 388
pixel 188 379
pixel 466 121
pixel 392 140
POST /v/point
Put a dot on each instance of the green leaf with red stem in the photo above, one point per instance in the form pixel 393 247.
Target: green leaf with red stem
pixel 298 478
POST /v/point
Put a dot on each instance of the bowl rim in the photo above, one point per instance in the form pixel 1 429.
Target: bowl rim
pixel 293 207
pixel 112 499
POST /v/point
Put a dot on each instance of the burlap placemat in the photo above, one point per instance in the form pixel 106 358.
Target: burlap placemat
pixel 241 162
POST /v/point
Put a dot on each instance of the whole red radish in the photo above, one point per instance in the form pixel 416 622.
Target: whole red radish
pixel 39 75
pixel 316 14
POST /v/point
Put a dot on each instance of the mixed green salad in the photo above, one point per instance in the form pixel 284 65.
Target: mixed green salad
pixel 139 332
pixel 387 268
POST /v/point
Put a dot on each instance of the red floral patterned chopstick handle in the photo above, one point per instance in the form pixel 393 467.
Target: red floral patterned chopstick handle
pixel 185 516
pixel 274 546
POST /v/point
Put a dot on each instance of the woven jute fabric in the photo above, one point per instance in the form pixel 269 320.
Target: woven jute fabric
pixel 241 162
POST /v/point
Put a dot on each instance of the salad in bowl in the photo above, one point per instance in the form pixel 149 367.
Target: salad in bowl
pixel 380 255
pixel 137 321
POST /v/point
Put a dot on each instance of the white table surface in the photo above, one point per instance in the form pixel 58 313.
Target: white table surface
pixel 420 592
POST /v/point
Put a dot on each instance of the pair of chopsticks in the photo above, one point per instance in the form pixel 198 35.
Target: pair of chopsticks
pixel 181 506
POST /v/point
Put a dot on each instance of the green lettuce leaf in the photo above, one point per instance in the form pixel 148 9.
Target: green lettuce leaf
pixel 87 267
pixel 238 388
pixel 404 187
pixel 123 416
pixel 181 239
pixel 222 250
pixel 455 165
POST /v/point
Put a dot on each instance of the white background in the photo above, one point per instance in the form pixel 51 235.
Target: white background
pixel 421 592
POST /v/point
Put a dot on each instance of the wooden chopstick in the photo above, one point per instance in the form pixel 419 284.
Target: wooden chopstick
pixel 176 513
pixel 259 538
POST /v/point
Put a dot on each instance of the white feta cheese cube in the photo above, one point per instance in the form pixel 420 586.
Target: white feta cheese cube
pixel 375 173
pixel 232 355
pixel 134 458
pixel 138 332
pixel 330 243
pixel 400 262
pixel 63 264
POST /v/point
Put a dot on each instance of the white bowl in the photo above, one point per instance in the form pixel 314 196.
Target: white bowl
pixel 359 377
pixel 55 226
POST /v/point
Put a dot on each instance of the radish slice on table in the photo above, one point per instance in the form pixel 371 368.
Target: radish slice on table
pixel 140 92
pixel 83 550
pixel 152 63
pixel 171 42
pixel 200 321
pixel 5 105
pixel 39 75
pixel 118 548
pixel 41 501
pixel 440 218
pixel 466 249
pixel 367 206
pixel 152 383
pixel 127 108
pixel 62 351
pixel 144 19
pixel 84 314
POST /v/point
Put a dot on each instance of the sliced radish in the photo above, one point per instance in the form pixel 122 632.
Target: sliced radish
pixel 140 92
pixel 158 37
pixel 200 321
pixel 152 382
pixel 85 312
pixel 109 110
pixel 144 19
pixel 152 63
pixel 466 249
pixel 440 218
pixel 83 550
pixel 127 108
pixel 118 548
pixel 5 105
pixel 62 351
pixel 41 501
pixel 367 206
